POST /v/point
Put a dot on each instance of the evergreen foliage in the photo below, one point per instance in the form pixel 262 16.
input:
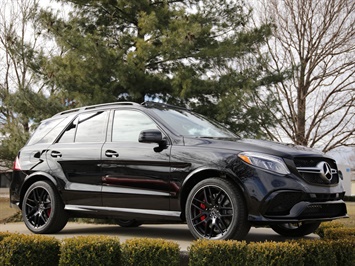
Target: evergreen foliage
pixel 200 54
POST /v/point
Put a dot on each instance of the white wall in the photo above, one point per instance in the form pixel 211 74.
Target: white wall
pixel 345 169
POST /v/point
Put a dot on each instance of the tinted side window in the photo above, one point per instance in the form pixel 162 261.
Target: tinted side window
pixel 92 127
pixel 44 129
pixel 128 124
pixel 69 134
pixel 53 134
pixel 88 127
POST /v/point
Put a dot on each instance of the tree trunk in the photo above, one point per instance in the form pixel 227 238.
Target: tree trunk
pixel 301 117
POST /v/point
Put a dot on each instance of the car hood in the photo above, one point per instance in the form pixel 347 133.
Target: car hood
pixel 252 145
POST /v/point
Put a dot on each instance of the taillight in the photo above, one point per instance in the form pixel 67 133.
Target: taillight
pixel 16 165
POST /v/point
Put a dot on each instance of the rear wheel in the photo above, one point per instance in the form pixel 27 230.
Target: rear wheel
pixel 42 209
pixel 128 223
pixel 295 229
pixel 215 209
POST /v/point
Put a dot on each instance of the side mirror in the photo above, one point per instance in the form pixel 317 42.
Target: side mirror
pixel 151 136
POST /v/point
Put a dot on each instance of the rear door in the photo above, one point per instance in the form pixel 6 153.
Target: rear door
pixel 75 158
pixel 135 175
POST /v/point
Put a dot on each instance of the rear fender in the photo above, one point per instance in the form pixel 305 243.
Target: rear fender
pixel 32 178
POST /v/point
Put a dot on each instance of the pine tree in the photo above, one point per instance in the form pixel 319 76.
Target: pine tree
pixel 195 53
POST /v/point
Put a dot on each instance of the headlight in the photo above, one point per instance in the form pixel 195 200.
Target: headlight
pixel 265 161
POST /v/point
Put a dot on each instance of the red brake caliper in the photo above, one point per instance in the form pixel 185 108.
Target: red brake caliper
pixel 203 217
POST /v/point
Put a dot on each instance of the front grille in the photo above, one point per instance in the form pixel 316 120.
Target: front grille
pixel 315 179
pixel 317 170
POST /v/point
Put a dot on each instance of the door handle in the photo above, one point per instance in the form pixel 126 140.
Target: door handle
pixel 56 154
pixel 110 153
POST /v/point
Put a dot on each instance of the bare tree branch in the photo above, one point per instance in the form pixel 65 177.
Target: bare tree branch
pixel 316 39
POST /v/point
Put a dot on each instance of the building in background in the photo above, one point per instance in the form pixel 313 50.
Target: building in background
pixel 348 179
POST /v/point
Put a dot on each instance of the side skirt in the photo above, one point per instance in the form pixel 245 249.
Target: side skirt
pixel 140 214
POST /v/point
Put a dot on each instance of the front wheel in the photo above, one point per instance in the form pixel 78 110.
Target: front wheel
pixel 295 229
pixel 215 209
pixel 42 209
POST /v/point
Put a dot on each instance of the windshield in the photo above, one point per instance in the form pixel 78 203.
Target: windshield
pixel 186 123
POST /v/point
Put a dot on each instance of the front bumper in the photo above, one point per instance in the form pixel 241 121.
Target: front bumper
pixel 305 211
pixel 289 199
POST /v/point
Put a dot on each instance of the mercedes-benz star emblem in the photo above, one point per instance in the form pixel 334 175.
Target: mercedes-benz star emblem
pixel 325 171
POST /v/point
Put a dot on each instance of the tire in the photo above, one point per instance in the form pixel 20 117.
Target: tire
pixel 42 209
pixel 128 223
pixel 295 229
pixel 215 209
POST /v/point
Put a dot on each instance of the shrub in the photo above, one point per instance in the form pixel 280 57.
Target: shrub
pixel 217 252
pixel 4 234
pixel 349 198
pixel 17 249
pixel 275 253
pixel 326 225
pixel 152 252
pixel 339 233
pixel 318 252
pixel 344 251
pixel 90 250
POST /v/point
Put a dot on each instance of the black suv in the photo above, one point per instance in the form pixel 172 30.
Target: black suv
pixel 155 163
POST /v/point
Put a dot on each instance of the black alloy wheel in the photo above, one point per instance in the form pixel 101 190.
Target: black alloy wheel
pixel 215 209
pixel 42 209
pixel 295 229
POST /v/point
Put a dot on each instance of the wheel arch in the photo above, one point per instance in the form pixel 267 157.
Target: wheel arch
pixel 201 174
pixel 31 179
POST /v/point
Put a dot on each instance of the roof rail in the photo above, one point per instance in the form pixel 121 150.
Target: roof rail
pixel 109 104
pixel 96 106
pixel 163 105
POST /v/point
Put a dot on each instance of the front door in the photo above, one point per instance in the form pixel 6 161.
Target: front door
pixel 135 176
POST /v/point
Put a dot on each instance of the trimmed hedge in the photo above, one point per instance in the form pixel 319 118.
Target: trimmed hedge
pixel 16 249
pixel 90 250
pixel 344 251
pixel 4 234
pixel 336 248
pixel 328 252
pixel 275 253
pixel 144 251
pixel 335 230
pixel 326 225
pixel 317 252
pixel 339 233
pixel 349 198
pixel 218 252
